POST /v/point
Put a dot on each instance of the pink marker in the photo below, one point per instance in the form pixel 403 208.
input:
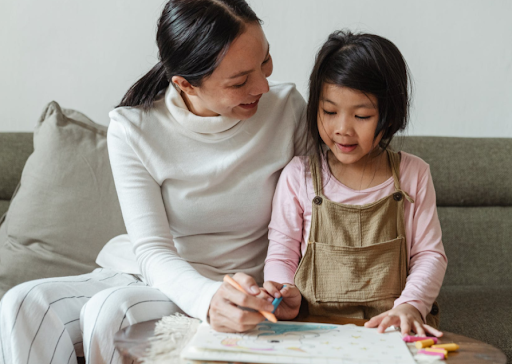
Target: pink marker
pixel 411 339
pixel 432 353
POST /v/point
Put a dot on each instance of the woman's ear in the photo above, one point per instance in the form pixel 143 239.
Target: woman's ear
pixel 183 85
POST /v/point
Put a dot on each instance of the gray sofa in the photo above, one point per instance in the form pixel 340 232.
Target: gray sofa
pixel 473 181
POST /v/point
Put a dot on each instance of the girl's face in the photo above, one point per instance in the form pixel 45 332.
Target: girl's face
pixel 239 81
pixel 347 120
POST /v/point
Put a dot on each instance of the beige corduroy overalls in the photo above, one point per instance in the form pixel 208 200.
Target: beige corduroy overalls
pixel 356 263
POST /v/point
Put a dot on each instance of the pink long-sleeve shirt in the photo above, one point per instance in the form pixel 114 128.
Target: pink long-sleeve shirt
pixel 291 221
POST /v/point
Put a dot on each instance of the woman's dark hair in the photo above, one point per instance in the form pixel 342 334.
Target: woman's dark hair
pixel 192 38
pixel 367 63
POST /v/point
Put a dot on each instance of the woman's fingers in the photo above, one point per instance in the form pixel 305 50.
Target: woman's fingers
pixel 241 299
pixel 248 283
pixel 226 317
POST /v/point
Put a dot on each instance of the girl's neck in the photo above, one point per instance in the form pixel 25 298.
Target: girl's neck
pixel 370 171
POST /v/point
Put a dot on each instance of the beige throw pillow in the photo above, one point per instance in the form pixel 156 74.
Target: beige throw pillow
pixel 66 207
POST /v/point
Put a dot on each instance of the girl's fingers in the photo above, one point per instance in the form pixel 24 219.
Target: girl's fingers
pixel 386 322
pixel 273 288
pixel 405 325
pixel 432 331
pixel 418 327
pixel 376 320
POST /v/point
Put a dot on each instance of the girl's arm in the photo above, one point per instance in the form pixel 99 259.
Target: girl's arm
pixel 427 266
pixel 285 229
pixel 428 261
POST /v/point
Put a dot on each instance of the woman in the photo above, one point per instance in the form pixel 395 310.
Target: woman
pixel 196 148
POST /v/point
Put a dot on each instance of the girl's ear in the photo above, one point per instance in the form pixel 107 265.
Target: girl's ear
pixel 183 85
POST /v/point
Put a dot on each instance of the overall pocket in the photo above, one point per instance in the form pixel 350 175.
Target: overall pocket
pixel 357 274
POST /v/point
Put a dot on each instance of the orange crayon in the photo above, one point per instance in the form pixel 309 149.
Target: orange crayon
pixel 268 315
pixel 447 347
pixel 424 343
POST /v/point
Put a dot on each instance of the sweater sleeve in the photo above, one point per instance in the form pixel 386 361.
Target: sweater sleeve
pixel 146 222
pixel 428 261
pixel 285 229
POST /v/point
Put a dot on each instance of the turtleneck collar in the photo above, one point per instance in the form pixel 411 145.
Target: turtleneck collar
pixel 192 122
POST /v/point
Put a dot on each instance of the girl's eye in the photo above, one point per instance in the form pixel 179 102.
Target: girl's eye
pixel 241 84
pixel 362 117
pixel 329 112
pixel 268 59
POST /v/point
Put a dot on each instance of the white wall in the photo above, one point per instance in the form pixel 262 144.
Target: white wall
pixel 85 54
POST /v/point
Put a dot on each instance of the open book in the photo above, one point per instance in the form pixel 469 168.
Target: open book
pixel 299 342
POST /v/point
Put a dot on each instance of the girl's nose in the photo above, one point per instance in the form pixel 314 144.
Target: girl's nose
pixel 343 126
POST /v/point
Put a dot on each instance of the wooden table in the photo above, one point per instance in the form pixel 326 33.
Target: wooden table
pixel 132 342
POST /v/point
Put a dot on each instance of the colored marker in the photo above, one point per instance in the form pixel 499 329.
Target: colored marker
pixel 269 316
pixel 411 339
pixel 431 353
pixel 277 301
pixel 448 347
pixel 425 343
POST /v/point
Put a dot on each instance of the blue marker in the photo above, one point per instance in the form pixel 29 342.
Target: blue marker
pixel 277 301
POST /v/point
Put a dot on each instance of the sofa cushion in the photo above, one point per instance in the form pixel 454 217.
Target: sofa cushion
pixel 480 312
pixel 478 244
pixel 66 207
pixel 466 171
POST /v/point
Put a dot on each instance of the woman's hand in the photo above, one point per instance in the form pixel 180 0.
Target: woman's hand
pixel 224 313
pixel 407 317
pixel 289 307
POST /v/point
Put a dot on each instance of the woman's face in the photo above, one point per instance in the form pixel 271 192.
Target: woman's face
pixel 238 82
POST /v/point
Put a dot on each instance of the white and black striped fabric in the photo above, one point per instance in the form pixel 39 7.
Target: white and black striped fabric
pixel 54 320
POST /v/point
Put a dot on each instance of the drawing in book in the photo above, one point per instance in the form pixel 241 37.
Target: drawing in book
pixel 315 342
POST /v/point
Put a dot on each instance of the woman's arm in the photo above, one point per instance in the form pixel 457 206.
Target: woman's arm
pixel 146 223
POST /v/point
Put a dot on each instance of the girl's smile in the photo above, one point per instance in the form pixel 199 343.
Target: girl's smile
pixel 347 120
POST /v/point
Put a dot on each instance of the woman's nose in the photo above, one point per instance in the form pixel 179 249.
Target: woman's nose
pixel 260 85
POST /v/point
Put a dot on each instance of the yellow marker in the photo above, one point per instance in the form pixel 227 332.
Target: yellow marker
pixel 424 343
pixel 441 351
pixel 448 347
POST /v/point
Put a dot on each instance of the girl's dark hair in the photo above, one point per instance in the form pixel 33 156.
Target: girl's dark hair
pixel 192 38
pixel 367 63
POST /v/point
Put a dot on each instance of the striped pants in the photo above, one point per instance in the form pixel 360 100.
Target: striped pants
pixel 55 320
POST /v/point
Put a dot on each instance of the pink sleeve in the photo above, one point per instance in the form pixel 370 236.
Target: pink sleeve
pixel 285 229
pixel 427 264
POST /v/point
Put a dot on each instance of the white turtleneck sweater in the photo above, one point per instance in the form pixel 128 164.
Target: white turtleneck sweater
pixel 196 192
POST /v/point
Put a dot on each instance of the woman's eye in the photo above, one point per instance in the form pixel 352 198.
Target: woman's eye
pixel 268 59
pixel 329 112
pixel 241 84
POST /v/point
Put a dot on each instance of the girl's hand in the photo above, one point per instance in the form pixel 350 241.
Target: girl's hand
pixel 407 317
pixel 289 307
pixel 224 313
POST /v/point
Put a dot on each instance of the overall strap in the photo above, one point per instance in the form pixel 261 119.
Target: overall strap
pixel 394 161
pixel 316 174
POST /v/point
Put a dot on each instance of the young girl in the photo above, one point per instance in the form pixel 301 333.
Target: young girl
pixel 354 229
